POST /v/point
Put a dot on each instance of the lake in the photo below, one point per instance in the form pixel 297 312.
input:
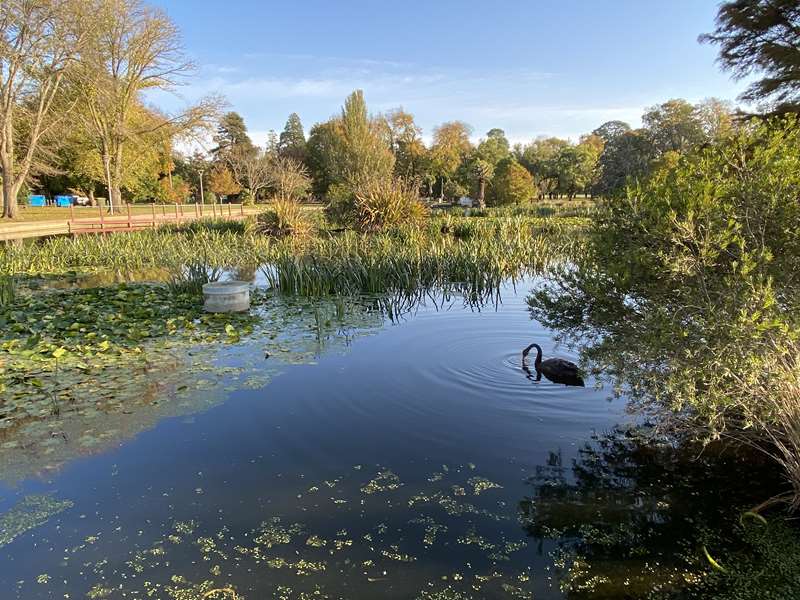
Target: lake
pixel 400 458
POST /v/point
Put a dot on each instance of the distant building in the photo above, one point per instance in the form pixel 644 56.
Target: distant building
pixel 466 201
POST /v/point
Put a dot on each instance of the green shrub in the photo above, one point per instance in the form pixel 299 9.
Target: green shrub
pixel 512 184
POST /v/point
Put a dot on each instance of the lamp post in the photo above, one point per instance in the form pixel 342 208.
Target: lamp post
pixel 202 197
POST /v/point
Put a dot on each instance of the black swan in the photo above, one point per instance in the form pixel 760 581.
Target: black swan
pixel 556 370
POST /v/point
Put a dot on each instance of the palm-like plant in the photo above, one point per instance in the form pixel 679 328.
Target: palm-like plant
pixel 484 171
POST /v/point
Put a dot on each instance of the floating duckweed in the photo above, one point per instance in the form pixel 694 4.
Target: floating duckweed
pixel 273 532
pixel 43 578
pixel 432 529
pixel 32 511
pixel 481 484
pixel 452 506
pixel 516 592
pixel 384 481
pixel 395 554
pixel 447 593
pixel 99 591
pixel 294 549
pixel 316 542
pixel 471 537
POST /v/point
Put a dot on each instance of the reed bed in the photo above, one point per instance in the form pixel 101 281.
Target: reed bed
pixel 478 252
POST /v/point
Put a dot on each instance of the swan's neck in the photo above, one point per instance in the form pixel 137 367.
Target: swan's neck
pixel 538 362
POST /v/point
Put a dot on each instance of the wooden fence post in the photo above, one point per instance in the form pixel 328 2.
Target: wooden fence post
pixel 153 206
pixel 130 224
pixel 177 216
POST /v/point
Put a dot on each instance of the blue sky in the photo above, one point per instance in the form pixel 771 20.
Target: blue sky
pixel 530 67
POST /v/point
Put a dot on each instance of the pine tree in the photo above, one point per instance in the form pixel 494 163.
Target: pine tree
pixel 231 134
pixel 292 143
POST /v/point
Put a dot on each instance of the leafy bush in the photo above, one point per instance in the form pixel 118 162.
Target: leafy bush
pixel 688 292
pixel 512 184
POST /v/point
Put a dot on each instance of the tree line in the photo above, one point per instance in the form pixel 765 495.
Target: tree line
pixel 73 74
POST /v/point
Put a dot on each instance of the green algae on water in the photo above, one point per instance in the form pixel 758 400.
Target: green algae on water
pixel 29 513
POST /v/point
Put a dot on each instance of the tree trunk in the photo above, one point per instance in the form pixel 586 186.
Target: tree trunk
pixel 481 193
pixel 10 192
pixel 116 178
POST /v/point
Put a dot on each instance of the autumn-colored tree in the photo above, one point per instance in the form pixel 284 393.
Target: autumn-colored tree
pixel 512 184
pixel 450 147
pixel 222 182
pixel 406 143
pixel 176 191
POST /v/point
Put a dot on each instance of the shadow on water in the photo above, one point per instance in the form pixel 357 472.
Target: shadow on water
pixel 631 512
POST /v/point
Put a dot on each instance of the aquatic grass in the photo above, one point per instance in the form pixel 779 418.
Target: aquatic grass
pixel 163 247
pixel 7 291
pixel 408 259
pixel 285 217
pixel 443 250
pixel 190 278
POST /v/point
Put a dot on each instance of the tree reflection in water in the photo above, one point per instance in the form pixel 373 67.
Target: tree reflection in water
pixel 632 511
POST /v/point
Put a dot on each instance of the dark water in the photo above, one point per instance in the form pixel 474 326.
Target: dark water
pixel 394 469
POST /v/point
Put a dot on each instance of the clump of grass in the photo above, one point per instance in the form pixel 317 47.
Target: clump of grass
pixel 400 257
pixel 779 391
pixel 284 218
pixel 376 203
pixel 381 203
pixel 7 291
pixel 464 230
pixel 190 278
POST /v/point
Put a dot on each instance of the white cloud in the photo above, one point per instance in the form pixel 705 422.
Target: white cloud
pixel 524 102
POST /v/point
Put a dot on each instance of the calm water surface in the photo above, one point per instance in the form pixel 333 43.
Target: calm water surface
pixel 393 469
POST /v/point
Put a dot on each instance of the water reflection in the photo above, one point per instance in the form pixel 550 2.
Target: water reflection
pixel 390 467
pixel 630 511
pixel 557 370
